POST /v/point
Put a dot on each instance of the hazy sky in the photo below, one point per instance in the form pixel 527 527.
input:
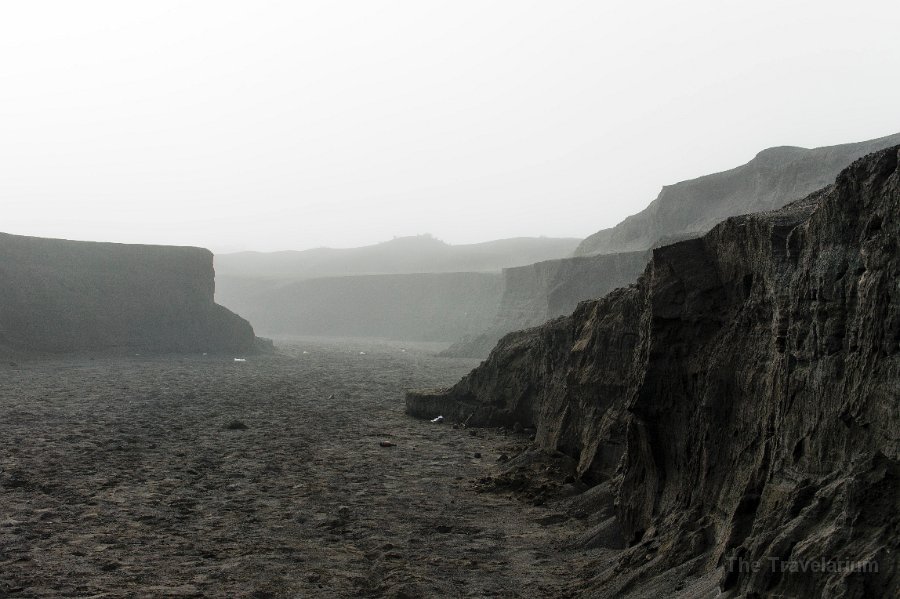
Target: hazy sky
pixel 288 125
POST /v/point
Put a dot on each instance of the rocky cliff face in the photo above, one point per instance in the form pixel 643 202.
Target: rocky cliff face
pixel 61 296
pixel 772 179
pixel 741 399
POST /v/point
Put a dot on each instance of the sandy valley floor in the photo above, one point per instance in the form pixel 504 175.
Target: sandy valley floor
pixel 121 477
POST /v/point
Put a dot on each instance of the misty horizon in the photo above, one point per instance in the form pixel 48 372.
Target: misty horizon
pixel 258 127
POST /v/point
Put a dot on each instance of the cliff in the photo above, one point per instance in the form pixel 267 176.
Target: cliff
pixel 740 400
pixel 538 292
pixel 64 296
pixel 413 288
pixel 773 178
pixel 424 307
pixel 616 257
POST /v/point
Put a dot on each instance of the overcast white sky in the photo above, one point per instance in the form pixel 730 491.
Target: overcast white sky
pixel 288 125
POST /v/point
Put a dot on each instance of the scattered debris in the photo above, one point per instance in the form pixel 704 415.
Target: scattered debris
pixel 236 425
pixel 437 420
pixel 331 396
pixel 240 359
pixel 362 353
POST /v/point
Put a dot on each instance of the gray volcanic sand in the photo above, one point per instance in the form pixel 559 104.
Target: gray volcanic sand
pixel 120 477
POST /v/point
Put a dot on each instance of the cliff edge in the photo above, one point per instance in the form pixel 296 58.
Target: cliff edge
pixel 740 401
pixel 67 296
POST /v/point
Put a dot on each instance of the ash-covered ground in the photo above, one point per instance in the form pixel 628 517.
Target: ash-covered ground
pixel 135 477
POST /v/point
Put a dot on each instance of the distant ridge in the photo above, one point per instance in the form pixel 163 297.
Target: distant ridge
pixel 402 255
pixel 773 178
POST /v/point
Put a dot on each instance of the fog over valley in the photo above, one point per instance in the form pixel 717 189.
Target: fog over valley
pixel 429 300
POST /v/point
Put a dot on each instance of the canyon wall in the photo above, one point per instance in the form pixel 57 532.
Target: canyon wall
pixel 536 293
pixel 421 307
pixel 616 257
pixel 62 296
pixel 741 398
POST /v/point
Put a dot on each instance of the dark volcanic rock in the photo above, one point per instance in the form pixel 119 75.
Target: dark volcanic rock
pixel 61 296
pixel 742 398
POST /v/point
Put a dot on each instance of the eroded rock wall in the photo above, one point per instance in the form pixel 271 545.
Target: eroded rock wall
pixel 743 397
pixel 63 296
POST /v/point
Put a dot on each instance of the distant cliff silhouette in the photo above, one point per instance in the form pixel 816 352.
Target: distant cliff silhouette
pixel 62 296
pixel 414 288
pixel 403 255
pixel 773 178
pixel 616 257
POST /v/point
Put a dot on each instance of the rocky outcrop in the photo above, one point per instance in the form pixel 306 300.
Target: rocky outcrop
pixel 421 307
pixel 64 296
pixel 741 399
pixel 772 179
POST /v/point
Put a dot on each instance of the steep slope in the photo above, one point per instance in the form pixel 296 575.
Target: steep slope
pixel 60 296
pixel 772 179
pixel 404 255
pixel 741 399
pixel 424 307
